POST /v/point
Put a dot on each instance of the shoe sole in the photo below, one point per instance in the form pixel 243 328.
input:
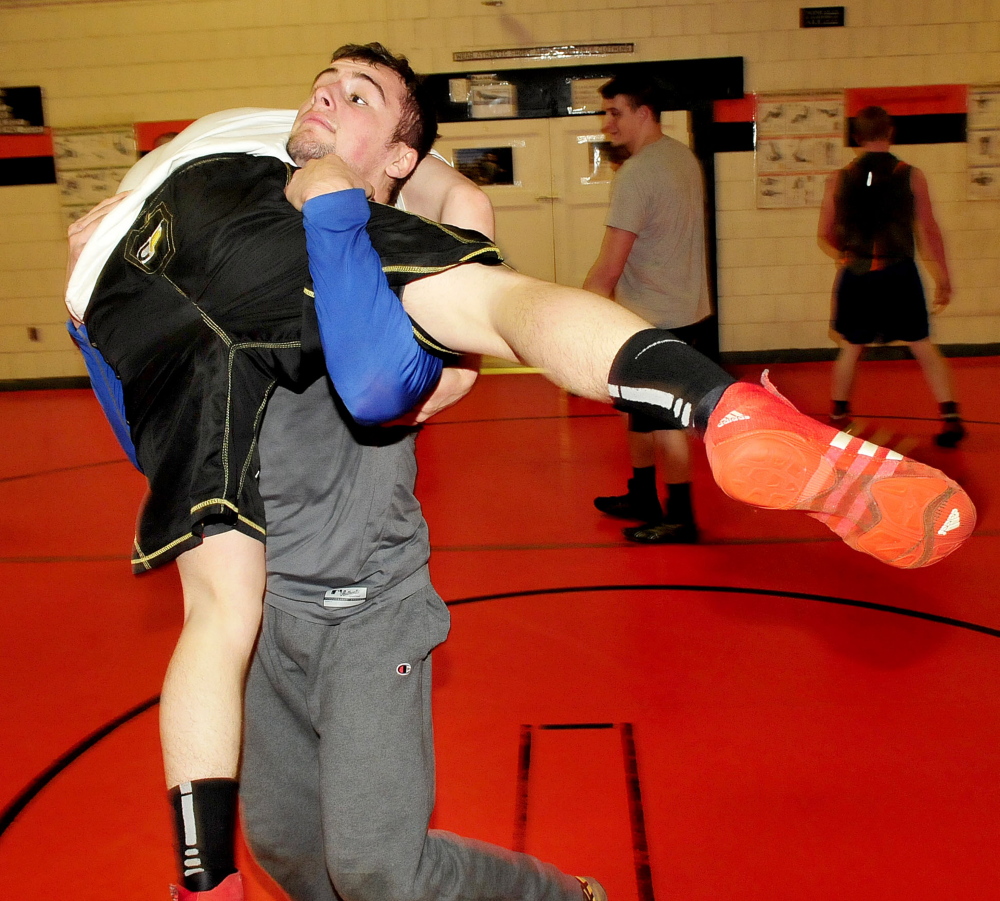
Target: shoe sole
pixel 883 504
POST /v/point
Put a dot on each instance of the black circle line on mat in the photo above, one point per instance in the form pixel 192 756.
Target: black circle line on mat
pixel 728 589
pixel 61 470
pixel 28 794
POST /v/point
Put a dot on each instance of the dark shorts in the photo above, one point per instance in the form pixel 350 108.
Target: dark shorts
pixel 881 305
pixel 694 335
pixel 202 310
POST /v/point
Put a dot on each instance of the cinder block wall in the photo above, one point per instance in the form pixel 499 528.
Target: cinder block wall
pixel 104 63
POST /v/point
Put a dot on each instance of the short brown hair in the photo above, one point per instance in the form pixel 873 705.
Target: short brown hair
pixel 639 89
pixel 872 124
pixel 417 126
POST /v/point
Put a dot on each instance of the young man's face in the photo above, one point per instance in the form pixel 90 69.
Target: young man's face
pixel 621 122
pixel 353 111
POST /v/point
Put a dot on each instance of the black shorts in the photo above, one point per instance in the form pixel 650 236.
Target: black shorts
pixel 201 311
pixel 881 305
pixel 693 335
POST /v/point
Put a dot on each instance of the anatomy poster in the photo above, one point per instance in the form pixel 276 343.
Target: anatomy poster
pixel 90 163
pixel 799 142
pixel 983 141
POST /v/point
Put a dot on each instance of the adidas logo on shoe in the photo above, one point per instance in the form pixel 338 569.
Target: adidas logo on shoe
pixel 953 522
pixel 730 418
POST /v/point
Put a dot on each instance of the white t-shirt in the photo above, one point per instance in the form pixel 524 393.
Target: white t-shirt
pixel 659 196
pixel 258 132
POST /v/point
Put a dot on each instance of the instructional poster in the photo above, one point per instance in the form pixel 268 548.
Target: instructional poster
pixel 799 142
pixel 90 164
pixel 983 142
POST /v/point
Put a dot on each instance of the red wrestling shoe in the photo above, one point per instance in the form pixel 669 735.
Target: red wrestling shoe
pixel 766 453
pixel 230 889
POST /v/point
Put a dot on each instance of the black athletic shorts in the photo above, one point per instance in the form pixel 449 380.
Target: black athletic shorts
pixel 201 311
pixel 881 305
pixel 693 335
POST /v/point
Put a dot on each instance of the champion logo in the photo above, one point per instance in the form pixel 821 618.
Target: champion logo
pixel 403 669
pixel 951 523
pixel 729 418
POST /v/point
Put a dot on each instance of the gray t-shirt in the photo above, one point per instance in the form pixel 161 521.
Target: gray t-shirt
pixel 343 524
pixel 659 196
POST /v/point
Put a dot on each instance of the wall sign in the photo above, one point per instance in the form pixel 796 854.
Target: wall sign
pixel 25 142
pixel 983 141
pixel 821 17
pixel 567 51
pixel 799 142
pixel 90 163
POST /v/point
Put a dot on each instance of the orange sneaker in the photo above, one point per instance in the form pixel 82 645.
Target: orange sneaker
pixel 766 453
pixel 230 889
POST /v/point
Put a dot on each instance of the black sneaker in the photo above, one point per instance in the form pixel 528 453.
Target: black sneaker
pixel 952 431
pixel 643 507
pixel 663 533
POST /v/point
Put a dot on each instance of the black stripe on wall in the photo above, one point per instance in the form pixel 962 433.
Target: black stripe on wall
pixel 732 137
pixel 930 128
pixel 31 170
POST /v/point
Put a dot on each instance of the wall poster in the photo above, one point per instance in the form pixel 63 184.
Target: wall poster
pixel 90 164
pixel 799 141
pixel 486 166
pixel 983 142
pixel 491 98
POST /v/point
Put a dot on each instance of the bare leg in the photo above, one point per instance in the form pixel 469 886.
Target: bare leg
pixel 641 449
pixel 202 701
pixel 675 454
pixel 495 311
pixel 935 368
pixel 843 370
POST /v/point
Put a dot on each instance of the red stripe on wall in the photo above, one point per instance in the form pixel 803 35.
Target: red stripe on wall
pixel 21 146
pixel 917 100
pixel 741 110
pixel 146 133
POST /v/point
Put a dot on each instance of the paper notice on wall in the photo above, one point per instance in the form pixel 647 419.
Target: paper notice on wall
pixel 799 141
pixel 585 95
pixel 491 99
pixel 983 143
pixel 90 164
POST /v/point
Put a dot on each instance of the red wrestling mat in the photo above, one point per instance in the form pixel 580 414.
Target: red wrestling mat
pixel 767 715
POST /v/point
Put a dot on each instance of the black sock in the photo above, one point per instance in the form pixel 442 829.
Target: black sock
pixel 205 829
pixel 841 408
pixel 949 410
pixel 679 508
pixel 643 481
pixel 659 375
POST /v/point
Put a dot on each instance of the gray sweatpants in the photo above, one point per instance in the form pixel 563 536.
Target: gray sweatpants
pixel 338 773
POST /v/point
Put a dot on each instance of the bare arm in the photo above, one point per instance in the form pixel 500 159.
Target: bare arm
pixel 929 238
pixel 80 232
pixel 827 234
pixel 610 262
pixel 440 193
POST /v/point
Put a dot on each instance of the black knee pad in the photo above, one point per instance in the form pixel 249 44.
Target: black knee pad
pixel 657 375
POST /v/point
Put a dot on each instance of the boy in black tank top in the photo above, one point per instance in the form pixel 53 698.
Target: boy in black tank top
pixel 875 213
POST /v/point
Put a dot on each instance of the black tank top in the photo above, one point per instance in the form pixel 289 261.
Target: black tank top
pixel 874 212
